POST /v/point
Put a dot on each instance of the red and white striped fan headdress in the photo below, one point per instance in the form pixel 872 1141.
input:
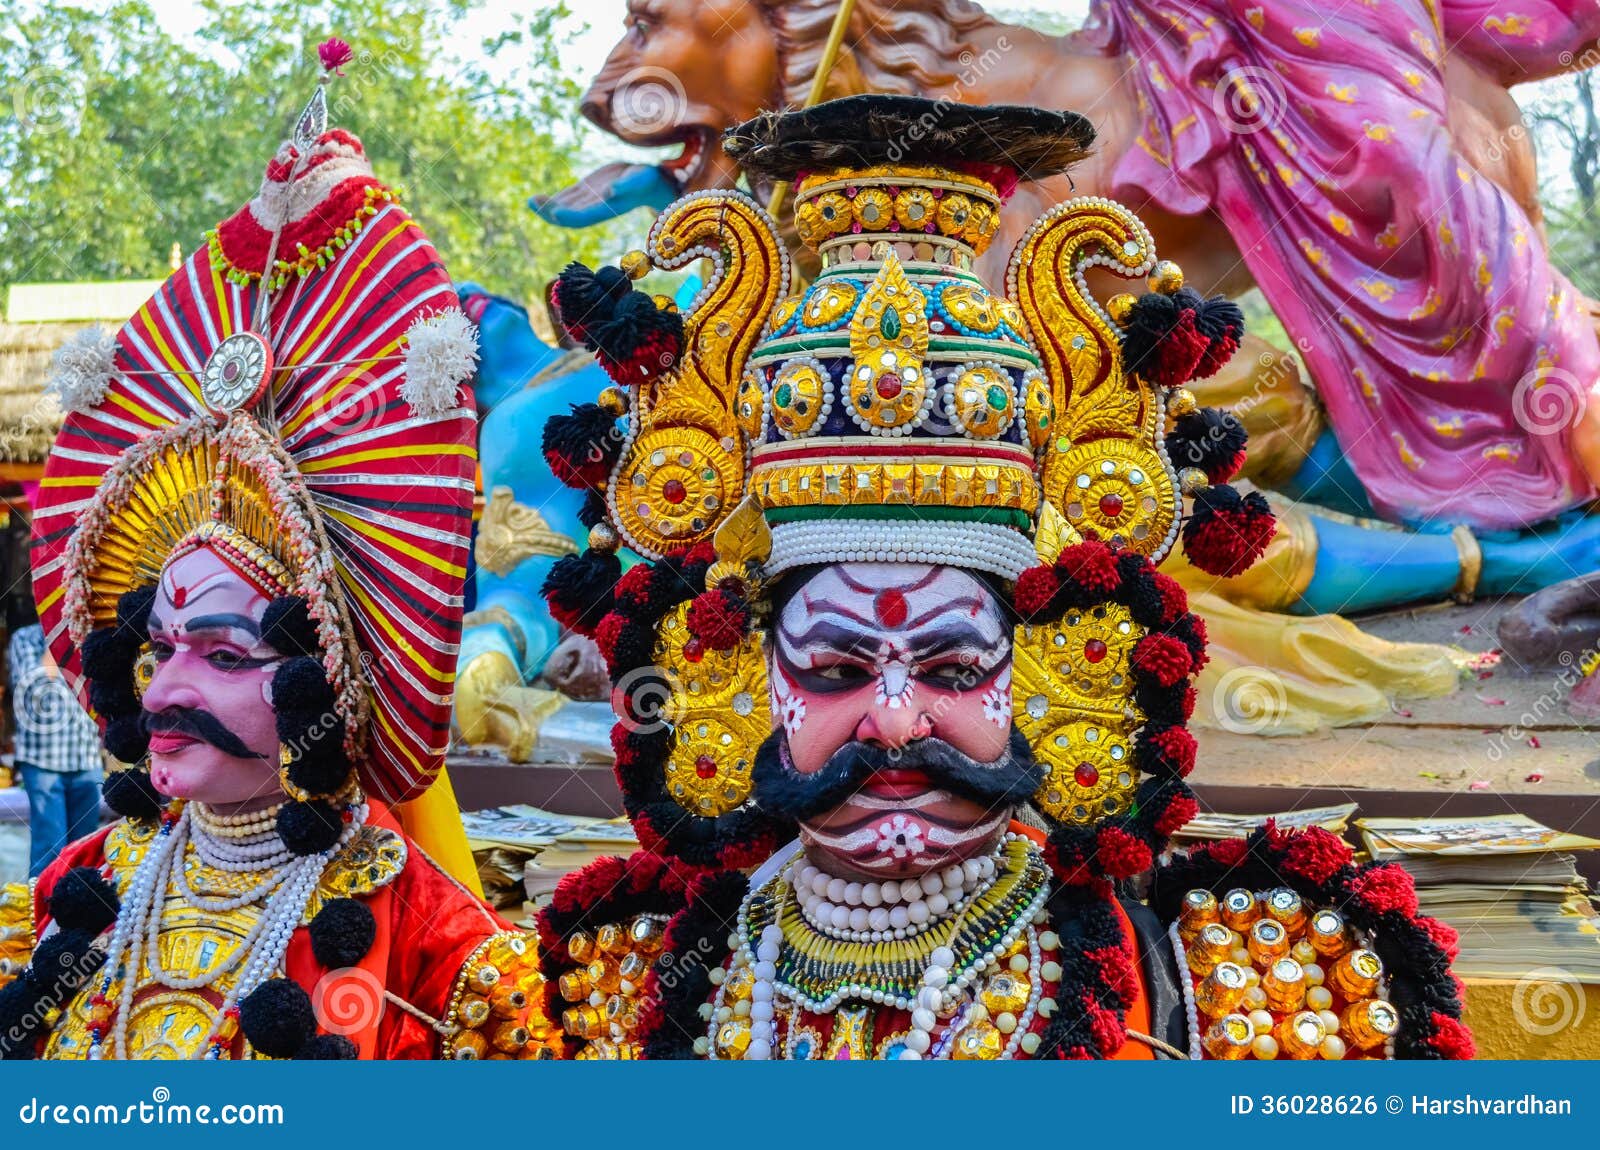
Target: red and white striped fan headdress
pixel 293 387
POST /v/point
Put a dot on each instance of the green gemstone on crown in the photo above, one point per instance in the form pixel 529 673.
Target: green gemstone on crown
pixel 783 395
pixel 889 326
pixel 997 397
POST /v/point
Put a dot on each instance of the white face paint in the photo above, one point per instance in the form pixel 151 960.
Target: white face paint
pixel 888 654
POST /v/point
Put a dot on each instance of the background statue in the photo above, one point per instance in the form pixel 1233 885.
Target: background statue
pixel 1264 145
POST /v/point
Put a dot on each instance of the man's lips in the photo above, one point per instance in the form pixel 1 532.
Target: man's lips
pixel 897 783
pixel 171 742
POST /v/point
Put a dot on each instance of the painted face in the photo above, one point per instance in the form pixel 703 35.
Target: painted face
pixel 904 672
pixel 209 705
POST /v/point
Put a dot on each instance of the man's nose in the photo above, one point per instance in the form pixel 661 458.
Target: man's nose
pixel 893 728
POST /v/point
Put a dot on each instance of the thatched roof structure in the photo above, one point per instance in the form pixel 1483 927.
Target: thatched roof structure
pixel 29 419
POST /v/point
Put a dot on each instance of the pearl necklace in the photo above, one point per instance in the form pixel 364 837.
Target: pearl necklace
pixel 286 887
pixel 868 912
pixel 940 987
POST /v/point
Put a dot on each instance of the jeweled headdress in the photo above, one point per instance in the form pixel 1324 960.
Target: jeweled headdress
pixel 289 397
pixel 899 410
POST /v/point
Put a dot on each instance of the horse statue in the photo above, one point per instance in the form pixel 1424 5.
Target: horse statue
pixel 1443 368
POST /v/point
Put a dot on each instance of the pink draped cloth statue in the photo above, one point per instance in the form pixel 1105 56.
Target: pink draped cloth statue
pixel 1451 358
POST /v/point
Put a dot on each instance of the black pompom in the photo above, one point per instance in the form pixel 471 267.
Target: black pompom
pixel 277 1018
pixel 126 738
pixel 112 696
pixel 108 653
pixel 17 1001
pixel 63 962
pixel 320 774
pixel 301 684
pixel 580 589
pixel 1159 339
pixel 83 900
pixel 288 626
pixel 309 828
pixel 584 297
pixel 1221 321
pixel 131 793
pixel 342 933
pixel 593 512
pixel 582 447
pixel 133 611
pixel 1210 439
pixel 329 1048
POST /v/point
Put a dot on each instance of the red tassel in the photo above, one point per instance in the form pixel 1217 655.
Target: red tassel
pixel 719 619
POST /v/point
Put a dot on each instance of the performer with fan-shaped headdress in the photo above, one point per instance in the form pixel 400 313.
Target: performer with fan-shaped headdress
pixel 251 543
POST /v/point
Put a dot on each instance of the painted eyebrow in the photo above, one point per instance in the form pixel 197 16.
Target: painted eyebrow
pixel 224 622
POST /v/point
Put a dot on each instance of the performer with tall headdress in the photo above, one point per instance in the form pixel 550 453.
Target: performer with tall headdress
pixel 903 696
pixel 251 541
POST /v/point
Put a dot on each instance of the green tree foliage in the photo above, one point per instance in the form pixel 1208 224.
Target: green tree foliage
pixel 118 139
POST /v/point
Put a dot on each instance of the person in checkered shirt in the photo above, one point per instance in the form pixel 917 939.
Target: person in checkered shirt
pixel 57 750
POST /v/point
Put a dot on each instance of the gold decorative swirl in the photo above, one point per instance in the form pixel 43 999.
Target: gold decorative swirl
pixel 1094 399
pixel 683 469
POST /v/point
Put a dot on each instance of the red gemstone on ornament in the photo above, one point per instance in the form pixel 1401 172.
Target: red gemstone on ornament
pixel 1086 775
pixel 888 385
pixel 1094 650
pixel 673 491
pixel 694 650
pixel 706 767
pixel 890 607
pixel 1111 506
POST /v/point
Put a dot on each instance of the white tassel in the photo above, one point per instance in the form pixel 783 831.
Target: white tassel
pixel 82 369
pixel 441 354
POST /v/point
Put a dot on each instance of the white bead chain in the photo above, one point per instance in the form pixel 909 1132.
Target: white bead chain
pixel 867 912
pixel 246 844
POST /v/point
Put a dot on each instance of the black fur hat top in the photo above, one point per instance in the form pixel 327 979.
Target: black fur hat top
pixel 862 131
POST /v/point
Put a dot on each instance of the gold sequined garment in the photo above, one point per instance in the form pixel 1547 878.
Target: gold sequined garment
pixel 173 1024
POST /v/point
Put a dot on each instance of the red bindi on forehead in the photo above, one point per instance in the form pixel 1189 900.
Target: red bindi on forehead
pixel 890 608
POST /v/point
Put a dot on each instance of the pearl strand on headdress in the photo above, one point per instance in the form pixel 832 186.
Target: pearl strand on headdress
pixel 287 887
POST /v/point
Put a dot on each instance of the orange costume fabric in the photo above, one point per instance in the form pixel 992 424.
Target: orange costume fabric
pixel 430 930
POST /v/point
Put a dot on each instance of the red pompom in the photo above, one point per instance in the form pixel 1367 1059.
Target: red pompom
pixel 1108 1030
pixel 1120 854
pixel 1225 532
pixel 1177 815
pixel 1091 565
pixel 581 889
pixel 633 589
pixel 1190 696
pixel 1164 658
pixel 1174 599
pixel 705 553
pixel 1117 970
pixel 1443 934
pixel 1177 746
pixel 1034 588
pixel 1228 852
pixel 1316 854
pixel 718 619
pixel 1452 1038
pixel 606 636
pixel 1386 888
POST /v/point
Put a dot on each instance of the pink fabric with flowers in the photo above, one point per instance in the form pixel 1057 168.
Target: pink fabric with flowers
pixel 1417 290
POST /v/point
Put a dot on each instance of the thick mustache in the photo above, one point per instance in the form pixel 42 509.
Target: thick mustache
pixel 781 789
pixel 203 725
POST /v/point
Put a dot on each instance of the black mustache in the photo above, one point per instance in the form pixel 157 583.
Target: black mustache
pixel 782 790
pixel 203 725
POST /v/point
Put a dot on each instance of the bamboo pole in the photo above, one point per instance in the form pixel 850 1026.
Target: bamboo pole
pixel 819 83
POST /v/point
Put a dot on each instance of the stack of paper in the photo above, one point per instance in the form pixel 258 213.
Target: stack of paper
pixel 1508 884
pixel 1214 825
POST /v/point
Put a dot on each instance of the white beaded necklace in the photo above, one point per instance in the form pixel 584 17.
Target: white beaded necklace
pixel 248 844
pixel 878 912
pixel 939 988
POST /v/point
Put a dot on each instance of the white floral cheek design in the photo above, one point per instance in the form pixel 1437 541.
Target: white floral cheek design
pixel 899 836
pixel 791 707
pixel 997 702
